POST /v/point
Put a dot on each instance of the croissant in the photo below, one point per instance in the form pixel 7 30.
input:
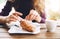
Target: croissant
pixel 26 26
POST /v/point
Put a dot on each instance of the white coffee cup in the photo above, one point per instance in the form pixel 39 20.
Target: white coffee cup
pixel 51 25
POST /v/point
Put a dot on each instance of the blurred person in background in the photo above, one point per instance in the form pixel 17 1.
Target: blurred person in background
pixel 32 10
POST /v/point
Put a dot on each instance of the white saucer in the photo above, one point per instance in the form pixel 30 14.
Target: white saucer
pixel 18 30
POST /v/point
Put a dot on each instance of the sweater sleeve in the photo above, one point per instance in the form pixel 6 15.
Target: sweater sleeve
pixel 43 17
pixel 7 8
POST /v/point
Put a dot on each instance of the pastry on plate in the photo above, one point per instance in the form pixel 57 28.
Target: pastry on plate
pixel 27 26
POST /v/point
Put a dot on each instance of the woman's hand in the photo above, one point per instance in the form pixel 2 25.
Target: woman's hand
pixel 15 16
pixel 33 15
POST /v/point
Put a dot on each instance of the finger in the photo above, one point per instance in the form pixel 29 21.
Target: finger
pixel 31 17
pixel 34 17
pixel 37 17
pixel 17 14
pixel 27 17
pixel 19 18
pixel 34 12
pixel 13 17
pixel 31 11
pixel 12 20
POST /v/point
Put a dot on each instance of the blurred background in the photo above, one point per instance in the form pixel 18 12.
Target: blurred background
pixel 2 4
pixel 52 9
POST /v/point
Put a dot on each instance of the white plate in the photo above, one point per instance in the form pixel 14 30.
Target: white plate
pixel 17 30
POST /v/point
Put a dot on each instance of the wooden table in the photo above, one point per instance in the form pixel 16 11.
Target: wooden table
pixel 42 35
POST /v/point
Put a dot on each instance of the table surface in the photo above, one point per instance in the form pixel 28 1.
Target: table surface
pixel 42 35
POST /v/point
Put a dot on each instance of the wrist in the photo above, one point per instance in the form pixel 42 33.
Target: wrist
pixel 6 19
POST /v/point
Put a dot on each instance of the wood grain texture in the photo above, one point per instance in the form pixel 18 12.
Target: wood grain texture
pixel 42 35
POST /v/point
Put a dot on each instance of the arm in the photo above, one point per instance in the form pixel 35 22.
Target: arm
pixel 3 19
pixel 7 19
pixel 7 8
pixel 5 12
